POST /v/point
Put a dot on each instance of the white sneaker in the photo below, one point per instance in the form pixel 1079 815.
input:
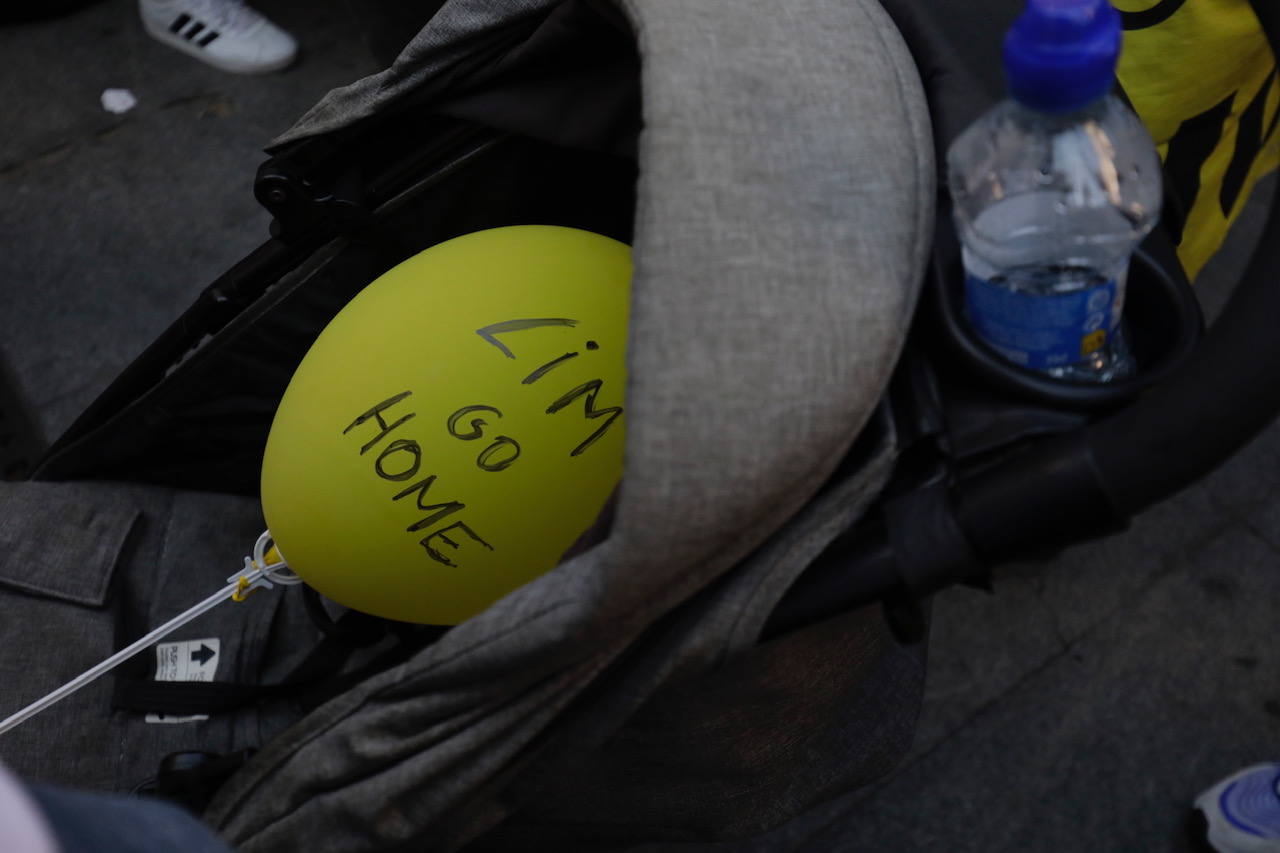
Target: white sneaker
pixel 223 33
pixel 1242 812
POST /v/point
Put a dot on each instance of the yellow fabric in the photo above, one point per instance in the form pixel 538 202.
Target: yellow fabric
pixel 1186 65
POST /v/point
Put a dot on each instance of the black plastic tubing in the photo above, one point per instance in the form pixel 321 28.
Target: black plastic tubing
pixel 1210 407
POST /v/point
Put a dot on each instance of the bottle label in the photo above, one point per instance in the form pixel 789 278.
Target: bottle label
pixel 1042 330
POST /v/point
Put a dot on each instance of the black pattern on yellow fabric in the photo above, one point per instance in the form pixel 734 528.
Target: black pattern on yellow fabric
pixel 1202 76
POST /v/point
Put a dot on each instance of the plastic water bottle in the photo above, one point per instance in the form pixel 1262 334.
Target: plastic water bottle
pixel 1053 188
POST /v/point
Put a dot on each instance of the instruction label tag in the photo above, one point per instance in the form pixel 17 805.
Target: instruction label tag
pixel 188 660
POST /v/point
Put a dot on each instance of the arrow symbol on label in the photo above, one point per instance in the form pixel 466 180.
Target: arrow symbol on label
pixel 203 655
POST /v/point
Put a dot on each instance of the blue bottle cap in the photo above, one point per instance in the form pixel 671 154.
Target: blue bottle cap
pixel 1061 54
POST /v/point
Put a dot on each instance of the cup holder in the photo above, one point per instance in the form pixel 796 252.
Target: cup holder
pixel 1163 324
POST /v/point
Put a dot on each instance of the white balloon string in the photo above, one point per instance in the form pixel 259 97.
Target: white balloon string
pixel 257 575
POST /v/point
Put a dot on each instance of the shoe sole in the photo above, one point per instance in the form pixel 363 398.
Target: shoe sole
pixel 168 39
pixel 1219 833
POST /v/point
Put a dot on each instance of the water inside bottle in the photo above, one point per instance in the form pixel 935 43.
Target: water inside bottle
pixel 1108 362
pixel 1032 244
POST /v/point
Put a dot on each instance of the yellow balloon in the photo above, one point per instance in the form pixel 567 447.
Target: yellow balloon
pixel 457 426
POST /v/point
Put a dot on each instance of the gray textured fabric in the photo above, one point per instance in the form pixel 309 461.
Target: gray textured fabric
pixel 783 219
pixel 735 736
pixel 461 38
pixel 73 551
pixel 86 568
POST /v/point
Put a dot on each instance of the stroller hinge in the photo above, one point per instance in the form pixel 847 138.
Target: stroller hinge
pixel 302 207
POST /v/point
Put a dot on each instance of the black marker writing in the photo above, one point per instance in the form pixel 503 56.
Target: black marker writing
pixel 442 534
pixel 442 510
pixel 400 445
pixel 590 390
pixel 376 413
pixel 490 333
pixel 421 488
pixel 485 460
pixel 401 460
pixel 549 366
pixel 477 424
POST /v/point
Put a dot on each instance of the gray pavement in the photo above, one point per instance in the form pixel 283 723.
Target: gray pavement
pixel 112 224
pixel 1080 707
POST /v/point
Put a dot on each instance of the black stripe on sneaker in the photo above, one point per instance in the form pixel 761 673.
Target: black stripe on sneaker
pixel 193 31
pixel 181 22
pixel 207 37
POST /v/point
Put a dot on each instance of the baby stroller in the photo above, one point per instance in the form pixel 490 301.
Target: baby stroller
pixel 640 691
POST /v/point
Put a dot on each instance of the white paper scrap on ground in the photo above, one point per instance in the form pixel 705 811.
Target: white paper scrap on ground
pixel 118 101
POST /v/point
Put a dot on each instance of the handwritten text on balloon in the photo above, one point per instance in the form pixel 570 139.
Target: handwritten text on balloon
pixel 400 460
